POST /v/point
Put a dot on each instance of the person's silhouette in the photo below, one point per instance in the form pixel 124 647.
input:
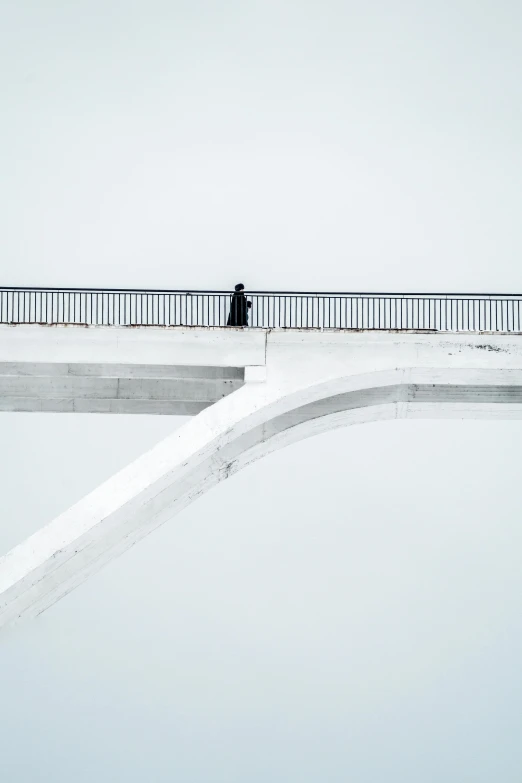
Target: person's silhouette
pixel 239 306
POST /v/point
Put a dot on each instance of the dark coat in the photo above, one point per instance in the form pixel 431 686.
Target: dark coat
pixel 238 315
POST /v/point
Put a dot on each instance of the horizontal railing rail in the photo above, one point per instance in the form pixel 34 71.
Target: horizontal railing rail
pixel 291 310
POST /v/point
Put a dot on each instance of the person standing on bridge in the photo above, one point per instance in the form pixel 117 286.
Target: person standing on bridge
pixel 239 306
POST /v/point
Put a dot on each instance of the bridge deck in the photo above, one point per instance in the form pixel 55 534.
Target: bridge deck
pixel 182 371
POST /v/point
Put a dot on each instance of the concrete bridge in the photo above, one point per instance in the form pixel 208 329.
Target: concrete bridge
pixel 250 392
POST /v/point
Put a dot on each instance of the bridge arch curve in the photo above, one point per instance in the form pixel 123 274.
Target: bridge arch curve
pixel 358 399
pixel 240 429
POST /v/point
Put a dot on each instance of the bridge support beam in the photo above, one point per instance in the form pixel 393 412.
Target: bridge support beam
pixel 299 398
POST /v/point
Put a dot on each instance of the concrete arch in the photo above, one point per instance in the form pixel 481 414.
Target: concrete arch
pixel 238 430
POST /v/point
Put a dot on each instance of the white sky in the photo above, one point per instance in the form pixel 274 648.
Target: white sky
pixel 350 608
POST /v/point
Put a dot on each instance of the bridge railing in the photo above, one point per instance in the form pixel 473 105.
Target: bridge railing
pixel 293 310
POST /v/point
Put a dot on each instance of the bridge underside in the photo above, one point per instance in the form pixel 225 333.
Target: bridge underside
pixel 65 387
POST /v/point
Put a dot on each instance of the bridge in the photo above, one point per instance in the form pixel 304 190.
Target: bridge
pixel 305 364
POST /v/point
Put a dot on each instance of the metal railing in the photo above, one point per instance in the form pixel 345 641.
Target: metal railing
pixel 292 310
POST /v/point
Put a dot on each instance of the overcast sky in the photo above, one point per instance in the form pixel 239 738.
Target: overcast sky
pixel 360 617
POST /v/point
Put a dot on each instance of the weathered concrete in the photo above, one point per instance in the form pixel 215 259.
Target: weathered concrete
pixel 314 382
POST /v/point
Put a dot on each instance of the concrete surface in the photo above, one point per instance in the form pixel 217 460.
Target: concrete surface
pixel 311 382
pixel 114 388
pixel 155 345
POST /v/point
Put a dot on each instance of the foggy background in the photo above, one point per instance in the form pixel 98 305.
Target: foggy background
pixel 350 607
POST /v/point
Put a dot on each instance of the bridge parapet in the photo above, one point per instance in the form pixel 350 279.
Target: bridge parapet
pixel 289 310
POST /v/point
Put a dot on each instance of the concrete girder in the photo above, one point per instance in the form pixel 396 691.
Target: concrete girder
pixel 114 388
